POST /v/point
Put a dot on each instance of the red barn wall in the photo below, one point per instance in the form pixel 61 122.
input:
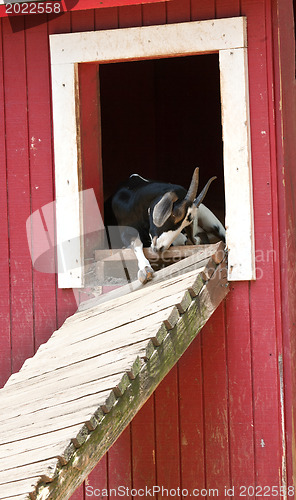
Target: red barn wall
pixel 285 132
pixel 217 419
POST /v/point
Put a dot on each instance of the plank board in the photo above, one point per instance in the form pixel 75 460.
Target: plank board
pixel 78 384
pixel 167 316
pixel 144 447
pixel 48 420
pixel 25 486
pixel 215 402
pixel 281 83
pixel 58 445
pixel 5 323
pixel 191 395
pixel 18 185
pixel 123 360
pixel 44 469
pixel 120 473
pixel 268 442
pixel 240 385
pixel 167 432
pixel 41 174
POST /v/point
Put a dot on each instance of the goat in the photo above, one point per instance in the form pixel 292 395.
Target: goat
pixel 152 213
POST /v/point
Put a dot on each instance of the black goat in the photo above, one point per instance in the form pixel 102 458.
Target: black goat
pixel 154 214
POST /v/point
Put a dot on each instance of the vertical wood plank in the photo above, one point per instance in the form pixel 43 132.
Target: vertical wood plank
pixel 79 493
pixel 144 449
pixel 119 464
pixel 41 175
pixel 227 8
pixel 106 18
pixel 90 136
pixel 268 453
pixel 201 11
pixel 130 16
pixel 154 13
pixel 191 418
pixel 216 419
pixel 60 24
pixel 90 112
pixel 239 365
pixel 282 83
pixel 91 156
pixel 178 11
pixel 18 184
pixel 98 478
pixel 82 21
pixel 167 432
pixel 284 353
pixel 5 339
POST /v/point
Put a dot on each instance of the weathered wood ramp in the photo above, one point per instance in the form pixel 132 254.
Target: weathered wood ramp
pixel 68 404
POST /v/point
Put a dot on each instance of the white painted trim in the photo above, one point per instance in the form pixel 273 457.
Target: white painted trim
pixel 68 204
pixel 149 41
pixel 226 36
pixel 237 164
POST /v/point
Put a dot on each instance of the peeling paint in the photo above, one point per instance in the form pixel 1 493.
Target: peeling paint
pixel 32 145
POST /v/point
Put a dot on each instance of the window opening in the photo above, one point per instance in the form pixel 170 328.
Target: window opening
pixel 225 37
pixel 161 119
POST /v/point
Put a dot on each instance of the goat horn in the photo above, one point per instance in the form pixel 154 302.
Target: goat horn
pixel 163 208
pixel 179 210
pixel 191 194
pixel 202 194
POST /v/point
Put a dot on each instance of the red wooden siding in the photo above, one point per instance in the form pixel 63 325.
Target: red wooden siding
pixel 19 200
pixel 284 127
pixel 40 153
pixel 267 430
pixel 5 313
pixel 216 420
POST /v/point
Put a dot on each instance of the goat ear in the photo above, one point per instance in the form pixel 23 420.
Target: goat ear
pixel 180 211
pixel 163 208
pixel 203 193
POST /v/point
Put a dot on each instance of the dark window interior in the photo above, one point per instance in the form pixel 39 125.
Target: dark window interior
pixel 162 118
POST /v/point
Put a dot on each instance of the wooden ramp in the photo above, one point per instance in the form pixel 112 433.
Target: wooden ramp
pixel 69 403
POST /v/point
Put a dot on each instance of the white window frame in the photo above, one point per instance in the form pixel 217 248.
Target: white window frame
pixel 228 37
